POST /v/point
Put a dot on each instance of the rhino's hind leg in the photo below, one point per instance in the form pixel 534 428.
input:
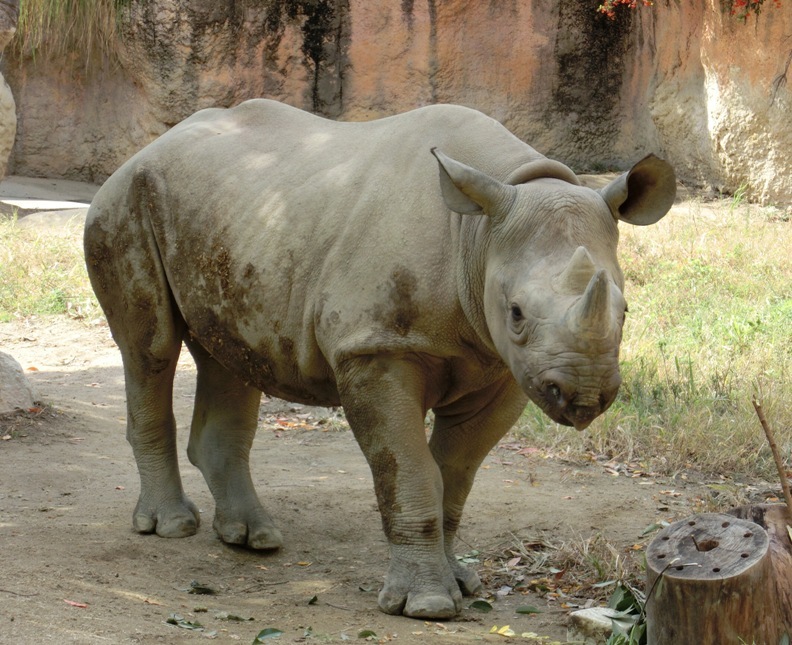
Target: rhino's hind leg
pixel 459 443
pixel 127 276
pixel 151 430
pixel 223 426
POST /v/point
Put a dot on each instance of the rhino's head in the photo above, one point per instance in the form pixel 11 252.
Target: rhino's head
pixel 552 286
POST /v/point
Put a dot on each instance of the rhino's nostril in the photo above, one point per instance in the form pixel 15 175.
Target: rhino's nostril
pixel 556 396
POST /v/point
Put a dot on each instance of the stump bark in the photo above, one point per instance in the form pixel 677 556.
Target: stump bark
pixel 718 579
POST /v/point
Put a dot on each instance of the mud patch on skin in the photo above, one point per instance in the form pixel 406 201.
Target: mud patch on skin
pixel 400 311
pixel 385 470
pixel 216 265
pixel 261 366
pixel 207 328
pixel 287 348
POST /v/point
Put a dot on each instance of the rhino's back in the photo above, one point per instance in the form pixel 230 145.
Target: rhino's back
pixel 292 242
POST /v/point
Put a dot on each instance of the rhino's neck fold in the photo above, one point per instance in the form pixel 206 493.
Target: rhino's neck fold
pixel 471 238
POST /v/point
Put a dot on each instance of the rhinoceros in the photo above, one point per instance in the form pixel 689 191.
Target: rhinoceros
pixel 425 261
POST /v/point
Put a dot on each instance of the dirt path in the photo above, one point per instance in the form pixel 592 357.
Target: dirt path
pixel 68 485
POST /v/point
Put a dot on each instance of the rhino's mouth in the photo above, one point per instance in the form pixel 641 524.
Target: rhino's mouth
pixel 580 420
pixel 565 410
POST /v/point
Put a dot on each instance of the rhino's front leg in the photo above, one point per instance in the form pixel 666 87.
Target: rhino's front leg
pixel 463 435
pixel 384 402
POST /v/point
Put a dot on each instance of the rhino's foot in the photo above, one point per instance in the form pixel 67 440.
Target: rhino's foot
pixel 171 520
pixel 420 592
pixel 467 579
pixel 420 604
pixel 258 533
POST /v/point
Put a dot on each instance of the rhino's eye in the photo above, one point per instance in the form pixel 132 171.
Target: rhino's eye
pixel 516 313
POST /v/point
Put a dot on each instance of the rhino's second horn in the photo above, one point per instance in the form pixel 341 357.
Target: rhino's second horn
pixel 575 277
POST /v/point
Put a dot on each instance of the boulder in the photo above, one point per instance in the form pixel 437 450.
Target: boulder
pixel 8 123
pixel 15 391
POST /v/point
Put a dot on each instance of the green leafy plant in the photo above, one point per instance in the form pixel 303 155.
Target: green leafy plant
pixel 629 623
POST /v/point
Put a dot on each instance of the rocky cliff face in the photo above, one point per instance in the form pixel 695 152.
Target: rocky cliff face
pixel 682 79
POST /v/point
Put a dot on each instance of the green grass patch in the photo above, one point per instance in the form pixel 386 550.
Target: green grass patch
pixel 43 272
pixel 710 324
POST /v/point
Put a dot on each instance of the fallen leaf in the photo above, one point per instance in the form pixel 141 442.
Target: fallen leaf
pixel 269 632
pixel 506 630
pixel 224 615
pixel 175 619
pixel 202 590
pixel 32 369
pixel 504 591
pixel 81 605
pixel 481 605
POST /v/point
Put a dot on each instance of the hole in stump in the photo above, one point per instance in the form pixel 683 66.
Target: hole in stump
pixel 748 534
pixel 679 567
pixel 691 523
pixel 743 555
pixel 725 524
pixel 716 569
pixel 660 556
pixel 706 545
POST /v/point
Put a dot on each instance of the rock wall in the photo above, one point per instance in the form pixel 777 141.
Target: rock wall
pixel 682 79
pixel 8 21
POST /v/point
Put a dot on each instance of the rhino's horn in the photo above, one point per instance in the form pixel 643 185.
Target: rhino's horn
pixel 592 313
pixel 577 274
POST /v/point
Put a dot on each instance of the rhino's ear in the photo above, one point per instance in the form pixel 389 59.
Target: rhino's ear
pixel 644 194
pixel 470 191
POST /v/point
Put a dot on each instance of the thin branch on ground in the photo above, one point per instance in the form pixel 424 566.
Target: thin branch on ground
pixel 776 455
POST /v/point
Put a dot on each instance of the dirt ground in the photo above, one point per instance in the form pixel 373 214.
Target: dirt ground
pixel 73 570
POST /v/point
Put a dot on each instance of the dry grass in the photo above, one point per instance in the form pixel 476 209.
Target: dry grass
pixel 43 272
pixel 64 29
pixel 584 567
pixel 710 296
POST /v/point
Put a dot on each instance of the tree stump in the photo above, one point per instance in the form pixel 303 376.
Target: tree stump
pixel 711 580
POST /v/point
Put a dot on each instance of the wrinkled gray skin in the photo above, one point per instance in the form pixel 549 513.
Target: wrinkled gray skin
pixel 343 264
